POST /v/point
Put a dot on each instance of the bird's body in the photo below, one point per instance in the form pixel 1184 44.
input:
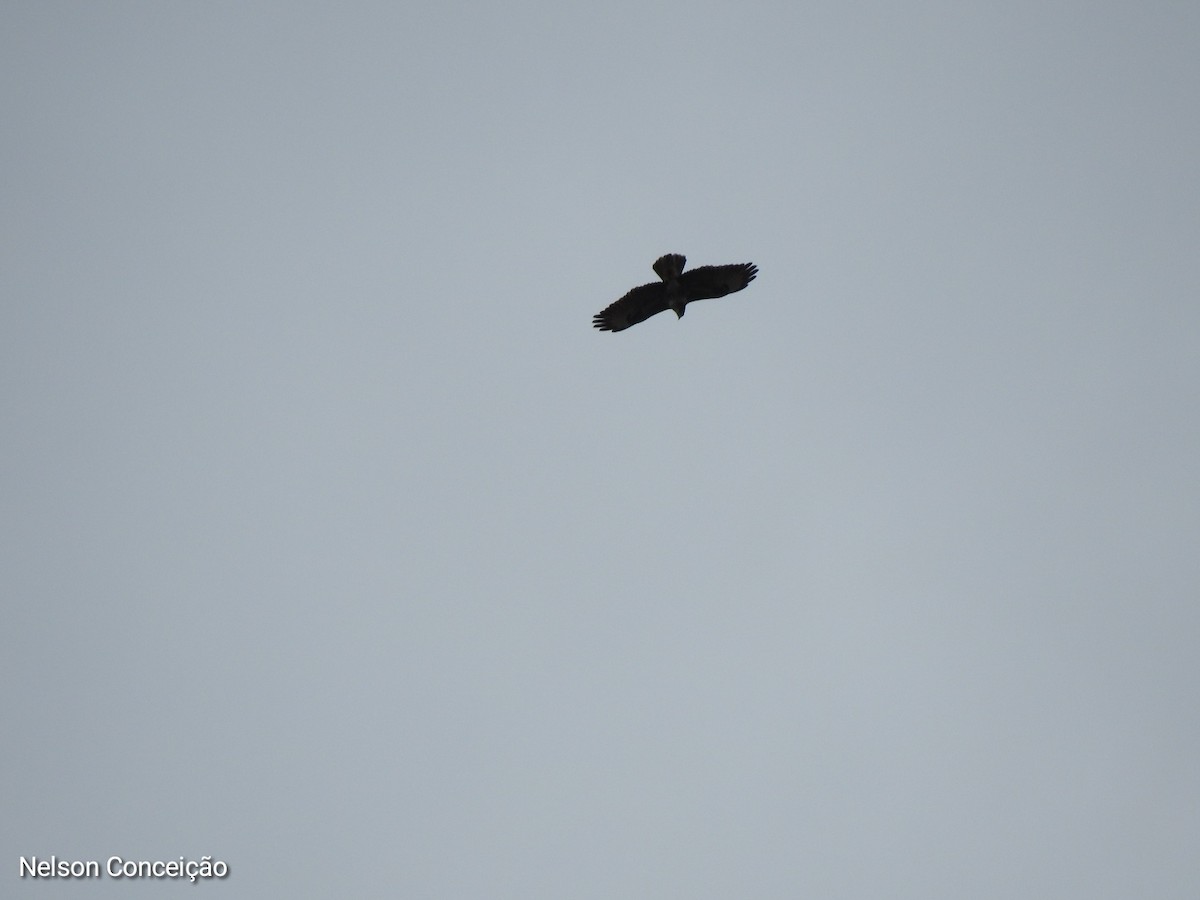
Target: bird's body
pixel 674 292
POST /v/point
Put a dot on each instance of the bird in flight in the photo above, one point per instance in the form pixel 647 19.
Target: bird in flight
pixel 676 290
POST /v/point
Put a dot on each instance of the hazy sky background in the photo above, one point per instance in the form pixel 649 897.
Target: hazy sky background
pixel 337 545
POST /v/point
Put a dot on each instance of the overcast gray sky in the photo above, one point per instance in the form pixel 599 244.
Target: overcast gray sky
pixel 337 545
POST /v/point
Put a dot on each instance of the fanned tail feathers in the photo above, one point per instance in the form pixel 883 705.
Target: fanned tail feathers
pixel 668 267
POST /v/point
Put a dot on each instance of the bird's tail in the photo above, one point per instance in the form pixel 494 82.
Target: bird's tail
pixel 668 267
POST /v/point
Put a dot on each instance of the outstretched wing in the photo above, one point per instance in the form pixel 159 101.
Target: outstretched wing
pixel 638 305
pixel 708 282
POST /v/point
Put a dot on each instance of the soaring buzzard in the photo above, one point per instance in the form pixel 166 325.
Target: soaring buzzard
pixel 676 290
